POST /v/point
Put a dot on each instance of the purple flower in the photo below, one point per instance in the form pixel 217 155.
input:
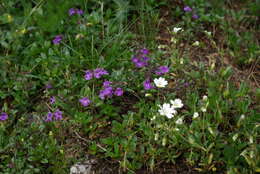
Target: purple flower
pixel 144 51
pixel 141 60
pixel 49 117
pixel 72 11
pixel 3 116
pixel 57 39
pixel 135 60
pixel 195 16
pixel 186 84
pixel 79 11
pixel 145 59
pixel 187 9
pixel 106 83
pixel 88 75
pixel 99 72
pixel 58 114
pixel 118 92
pixel 141 64
pixel 52 100
pixel 85 101
pixel 107 92
pixel 162 70
pixel 148 85
pixel 48 86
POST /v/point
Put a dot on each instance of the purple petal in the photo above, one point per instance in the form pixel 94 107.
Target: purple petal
pixel 99 72
pixel 195 16
pixel 148 85
pixel 52 100
pixel 187 9
pixel 88 75
pixel 85 101
pixel 58 115
pixel 72 11
pixel 79 12
pixel 49 117
pixel 3 116
pixel 106 83
pixel 119 92
pixel 162 70
pixel 144 51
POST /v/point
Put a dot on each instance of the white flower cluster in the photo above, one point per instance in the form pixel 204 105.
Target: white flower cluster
pixel 203 108
pixel 169 110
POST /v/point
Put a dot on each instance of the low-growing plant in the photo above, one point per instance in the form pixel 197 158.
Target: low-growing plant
pixel 89 77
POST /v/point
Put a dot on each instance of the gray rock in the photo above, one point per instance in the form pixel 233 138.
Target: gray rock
pixel 83 168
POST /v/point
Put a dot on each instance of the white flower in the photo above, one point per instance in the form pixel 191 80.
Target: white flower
pixel 181 61
pixel 179 121
pixel 251 140
pixel 176 29
pixel 148 95
pixel 235 137
pixel 164 141
pixel 161 82
pixel 167 110
pixel 162 46
pixel 195 115
pixel 156 136
pixel 196 43
pixel 176 129
pixel 173 40
pixel 208 33
pixel 203 109
pixel 242 117
pixel 73 169
pixel 204 98
pixel 177 103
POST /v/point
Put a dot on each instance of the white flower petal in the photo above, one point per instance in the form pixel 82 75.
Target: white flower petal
pixel 176 29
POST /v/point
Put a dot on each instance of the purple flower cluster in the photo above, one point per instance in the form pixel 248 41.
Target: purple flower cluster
pixel 108 91
pixel 57 39
pixel 73 11
pixel 189 9
pixel 3 116
pixel 57 115
pixel 85 101
pixel 141 60
pixel 97 73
